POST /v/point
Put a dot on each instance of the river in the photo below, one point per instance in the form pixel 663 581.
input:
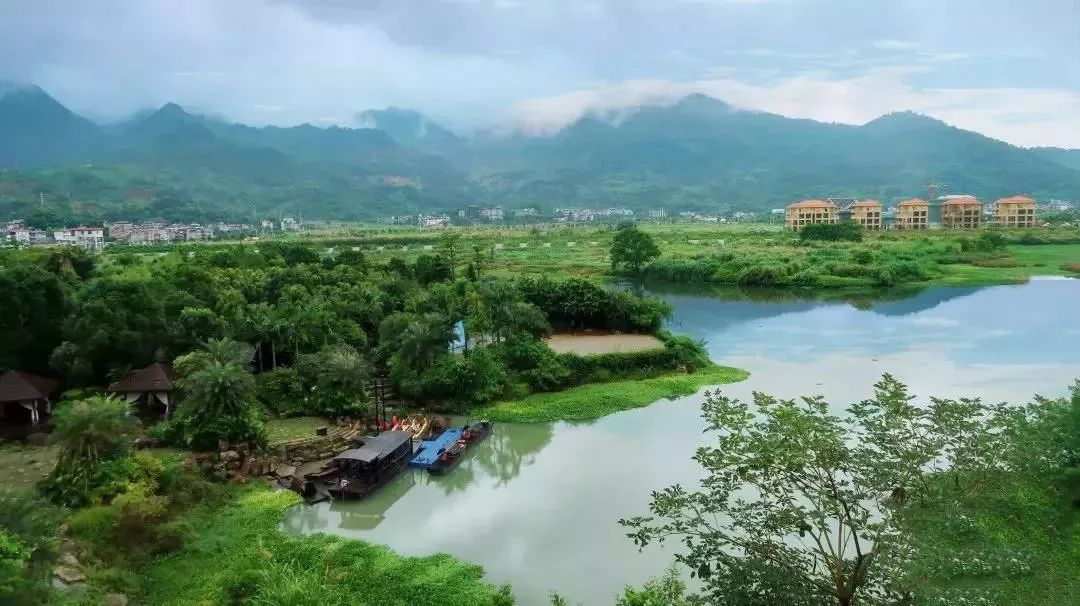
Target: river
pixel 537 505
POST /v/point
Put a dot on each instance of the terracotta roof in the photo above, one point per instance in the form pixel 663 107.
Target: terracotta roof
pixel 962 201
pixel 156 377
pixel 1016 200
pixel 16 386
pixel 865 203
pixel 812 204
pixel 914 202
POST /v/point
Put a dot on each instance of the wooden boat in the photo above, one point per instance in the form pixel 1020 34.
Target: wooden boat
pixel 452 454
pixel 358 472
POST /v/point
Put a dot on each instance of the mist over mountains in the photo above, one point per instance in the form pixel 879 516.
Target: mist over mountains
pixel 696 154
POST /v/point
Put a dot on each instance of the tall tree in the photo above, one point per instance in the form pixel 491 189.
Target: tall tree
pixel 632 248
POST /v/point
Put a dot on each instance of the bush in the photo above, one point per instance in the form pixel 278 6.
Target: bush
pixel 548 375
pixel 578 303
pixel 688 353
pixel 281 391
pixel 835 232
pixel 761 275
pixel 1073 267
pixel 996 263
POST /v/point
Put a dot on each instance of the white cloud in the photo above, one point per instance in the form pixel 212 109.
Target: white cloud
pixel 1025 117
pixel 898 45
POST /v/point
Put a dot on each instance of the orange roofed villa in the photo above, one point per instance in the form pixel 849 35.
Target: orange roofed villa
pixel 809 212
pixel 912 214
pixel 867 213
pixel 961 212
pixel 1015 211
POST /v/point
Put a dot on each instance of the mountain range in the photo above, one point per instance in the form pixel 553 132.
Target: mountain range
pixel 696 154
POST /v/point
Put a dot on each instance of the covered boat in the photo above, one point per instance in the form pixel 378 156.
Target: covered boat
pixel 357 472
pixel 440 454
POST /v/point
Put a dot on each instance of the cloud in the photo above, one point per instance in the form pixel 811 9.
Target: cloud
pixel 890 44
pixel 1027 117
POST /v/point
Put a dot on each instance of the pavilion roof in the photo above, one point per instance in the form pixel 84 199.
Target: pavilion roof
pixel 16 386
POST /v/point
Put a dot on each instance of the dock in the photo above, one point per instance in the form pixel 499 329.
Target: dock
pixel 428 453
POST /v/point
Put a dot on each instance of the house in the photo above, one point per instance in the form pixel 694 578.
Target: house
pixel 808 212
pixel 867 213
pixel 148 386
pixel 961 212
pixel 90 238
pixel 24 396
pixel 290 224
pixel 1015 211
pixel 491 214
pixel 656 213
pixel 912 214
pixel 119 230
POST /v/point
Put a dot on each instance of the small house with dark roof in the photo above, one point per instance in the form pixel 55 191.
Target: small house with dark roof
pixel 26 396
pixel 150 386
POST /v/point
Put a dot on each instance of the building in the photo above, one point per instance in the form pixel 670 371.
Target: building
pixel 961 212
pixel 24 397
pixel 1015 211
pixel 90 238
pixel 912 214
pixel 809 212
pixel 120 230
pixel 491 214
pixel 867 213
pixel 151 386
pixel 290 224
pixel 656 213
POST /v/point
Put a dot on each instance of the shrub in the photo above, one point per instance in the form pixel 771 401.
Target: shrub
pixel 281 391
pixel 761 275
pixel 996 263
pixel 1073 267
pixel 687 352
pixel 549 374
pixel 835 232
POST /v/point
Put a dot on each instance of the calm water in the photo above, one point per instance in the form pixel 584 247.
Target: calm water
pixel 537 505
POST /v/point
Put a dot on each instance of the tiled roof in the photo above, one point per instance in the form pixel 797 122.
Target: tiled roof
pixel 16 386
pixel 1016 200
pixel 867 203
pixel 156 377
pixel 812 204
pixel 914 202
pixel 960 201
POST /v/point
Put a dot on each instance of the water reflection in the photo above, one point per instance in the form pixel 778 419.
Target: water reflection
pixel 536 505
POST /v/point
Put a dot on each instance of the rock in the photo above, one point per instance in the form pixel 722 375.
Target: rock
pixel 71 546
pixel 230 455
pixel 69 559
pixel 285 471
pixel 298 484
pixel 69 574
pixel 116 599
pixel 37 439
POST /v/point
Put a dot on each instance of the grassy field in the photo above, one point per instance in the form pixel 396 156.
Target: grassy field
pixel 1040 260
pixel 22 466
pixel 1010 542
pixel 283 430
pixel 593 401
pixel 238 555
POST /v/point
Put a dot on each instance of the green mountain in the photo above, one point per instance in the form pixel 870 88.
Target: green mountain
pixel 698 153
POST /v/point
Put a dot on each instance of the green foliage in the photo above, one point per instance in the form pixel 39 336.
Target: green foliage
pixel 238 553
pixel 831 232
pixel 97 428
pixel 218 391
pixel 14 559
pixel 432 268
pixel 668 590
pixel 593 401
pixel 632 248
pixel 578 303
pixel 687 352
pixel 33 300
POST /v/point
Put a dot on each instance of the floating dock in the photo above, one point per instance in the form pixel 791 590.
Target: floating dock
pixel 427 456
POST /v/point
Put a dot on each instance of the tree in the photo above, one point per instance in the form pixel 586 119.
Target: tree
pixel 33 302
pixel 93 429
pixel 421 339
pixel 801 507
pixel 448 241
pixel 632 248
pixel 342 380
pixel 219 393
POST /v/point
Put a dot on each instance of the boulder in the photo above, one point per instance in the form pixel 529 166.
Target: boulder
pixel 69 559
pixel 71 546
pixel 69 574
pixel 116 599
pixel 37 439
pixel 230 455
pixel 286 471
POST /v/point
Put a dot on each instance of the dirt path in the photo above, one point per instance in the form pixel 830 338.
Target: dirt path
pixel 585 344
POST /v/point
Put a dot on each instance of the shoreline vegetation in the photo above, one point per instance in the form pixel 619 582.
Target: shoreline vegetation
pixel 595 400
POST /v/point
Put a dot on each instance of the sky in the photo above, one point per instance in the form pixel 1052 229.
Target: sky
pixel 1008 69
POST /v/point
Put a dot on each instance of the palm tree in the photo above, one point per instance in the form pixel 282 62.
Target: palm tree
pixel 217 379
pixel 423 339
pixel 92 429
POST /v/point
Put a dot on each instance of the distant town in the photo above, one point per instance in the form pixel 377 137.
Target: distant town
pixel 951 211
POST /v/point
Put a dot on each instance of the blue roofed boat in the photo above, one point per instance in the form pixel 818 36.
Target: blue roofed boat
pixel 441 453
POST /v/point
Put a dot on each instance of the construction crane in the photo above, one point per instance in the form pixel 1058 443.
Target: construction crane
pixel 934 188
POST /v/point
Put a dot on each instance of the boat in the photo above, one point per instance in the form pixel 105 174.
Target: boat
pixel 439 455
pixel 358 472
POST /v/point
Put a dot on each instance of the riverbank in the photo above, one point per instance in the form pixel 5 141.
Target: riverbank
pixel 238 554
pixel 596 400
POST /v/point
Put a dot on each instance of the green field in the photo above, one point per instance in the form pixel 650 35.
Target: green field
pixel 593 401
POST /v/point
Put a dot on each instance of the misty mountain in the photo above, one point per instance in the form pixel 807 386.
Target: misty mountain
pixel 697 153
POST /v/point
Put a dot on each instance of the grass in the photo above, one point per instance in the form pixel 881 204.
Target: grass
pixel 1010 542
pixel 284 430
pixel 22 466
pixel 238 555
pixel 596 400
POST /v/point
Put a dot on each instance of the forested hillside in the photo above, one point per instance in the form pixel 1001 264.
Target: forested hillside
pixel 697 154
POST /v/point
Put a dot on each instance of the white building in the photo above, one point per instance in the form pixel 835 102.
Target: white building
pixel 656 213
pixel 290 224
pixel 491 214
pixel 90 238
